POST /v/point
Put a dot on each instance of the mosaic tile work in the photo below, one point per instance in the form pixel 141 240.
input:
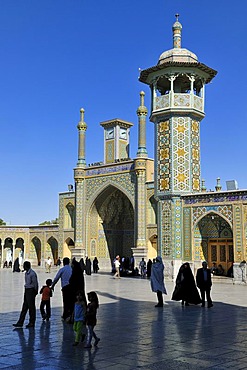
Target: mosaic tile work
pixel 166 228
pixel 124 182
pixel 123 152
pixel 179 155
pixel 215 198
pixel 141 211
pixel 178 228
pixel 238 234
pixel 182 100
pixel 226 211
pixel 109 151
pixel 79 230
pixel 163 170
pixel 197 244
pixel 195 163
pixel 187 232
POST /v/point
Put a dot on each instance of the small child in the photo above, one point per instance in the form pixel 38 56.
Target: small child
pixel 79 317
pixel 91 320
pixel 46 292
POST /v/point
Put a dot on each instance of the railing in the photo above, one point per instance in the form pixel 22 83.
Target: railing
pixel 177 100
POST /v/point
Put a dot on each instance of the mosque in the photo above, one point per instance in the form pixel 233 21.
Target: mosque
pixel 141 206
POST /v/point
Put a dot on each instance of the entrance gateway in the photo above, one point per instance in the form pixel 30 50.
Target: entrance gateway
pixel 173 213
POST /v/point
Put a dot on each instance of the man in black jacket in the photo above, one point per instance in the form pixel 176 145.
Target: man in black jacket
pixel 204 283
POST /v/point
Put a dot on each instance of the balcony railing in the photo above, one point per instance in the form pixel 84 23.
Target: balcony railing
pixel 177 100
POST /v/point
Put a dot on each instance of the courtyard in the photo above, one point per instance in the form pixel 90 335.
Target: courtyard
pixel 134 334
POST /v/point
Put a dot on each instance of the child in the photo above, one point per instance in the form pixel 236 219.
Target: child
pixel 91 319
pixel 46 292
pixel 79 317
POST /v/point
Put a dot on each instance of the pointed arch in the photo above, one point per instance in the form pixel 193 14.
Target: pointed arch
pixel 110 224
pixel 53 243
pixel 213 239
pixel 110 184
pixel 69 216
pixel 152 211
pixel 36 244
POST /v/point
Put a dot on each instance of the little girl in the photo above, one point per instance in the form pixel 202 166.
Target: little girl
pixel 79 317
pixel 91 319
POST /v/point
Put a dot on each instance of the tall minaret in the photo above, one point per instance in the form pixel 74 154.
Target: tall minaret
pixel 177 107
pixel 82 127
pixel 79 176
pixel 140 166
pixel 142 115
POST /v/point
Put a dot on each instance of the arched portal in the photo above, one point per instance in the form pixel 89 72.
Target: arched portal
pixel 69 216
pixel 52 242
pixel 68 245
pixel 213 241
pixel 152 247
pixel 37 245
pixel 110 225
pixel 8 250
pixel 19 249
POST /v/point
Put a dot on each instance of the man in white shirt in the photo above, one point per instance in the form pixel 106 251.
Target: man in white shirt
pixel 31 290
pixel 64 274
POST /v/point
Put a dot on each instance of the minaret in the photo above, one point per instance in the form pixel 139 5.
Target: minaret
pixel 142 115
pixel 177 107
pixel 140 166
pixel 79 176
pixel 82 127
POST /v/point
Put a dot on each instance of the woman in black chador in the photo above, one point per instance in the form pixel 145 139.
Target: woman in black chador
pixel 16 267
pixel 185 289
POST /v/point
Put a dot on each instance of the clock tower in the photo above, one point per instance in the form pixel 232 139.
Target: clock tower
pixel 116 140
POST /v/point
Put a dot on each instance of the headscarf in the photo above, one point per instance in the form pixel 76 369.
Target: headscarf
pixel 157 276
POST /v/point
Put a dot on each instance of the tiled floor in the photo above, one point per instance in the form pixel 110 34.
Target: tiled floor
pixel 134 334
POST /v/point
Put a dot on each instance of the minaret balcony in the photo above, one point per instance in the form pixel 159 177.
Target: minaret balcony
pixel 178 101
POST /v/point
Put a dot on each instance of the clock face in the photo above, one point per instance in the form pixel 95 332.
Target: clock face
pixel 123 133
pixel 110 133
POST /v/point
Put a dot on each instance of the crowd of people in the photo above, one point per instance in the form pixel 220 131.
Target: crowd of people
pixel 76 309
pixel 81 311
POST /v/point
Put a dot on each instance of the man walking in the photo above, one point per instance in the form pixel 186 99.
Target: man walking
pixel 204 283
pixel 48 265
pixel 64 274
pixel 31 290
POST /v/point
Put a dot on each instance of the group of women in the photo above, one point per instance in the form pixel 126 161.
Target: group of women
pixel 185 289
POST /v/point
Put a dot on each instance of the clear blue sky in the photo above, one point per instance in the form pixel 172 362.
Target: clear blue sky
pixel 58 56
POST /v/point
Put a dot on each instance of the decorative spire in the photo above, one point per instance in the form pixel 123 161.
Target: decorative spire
pixel 218 186
pixel 82 127
pixel 81 124
pixel 203 187
pixel 142 114
pixel 177 33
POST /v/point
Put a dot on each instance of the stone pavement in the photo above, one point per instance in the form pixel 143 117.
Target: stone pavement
pixel 134 334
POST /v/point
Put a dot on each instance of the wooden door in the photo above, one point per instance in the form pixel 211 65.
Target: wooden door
pixel 220 251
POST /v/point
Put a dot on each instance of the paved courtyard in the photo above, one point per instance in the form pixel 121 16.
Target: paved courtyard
pixel 134 334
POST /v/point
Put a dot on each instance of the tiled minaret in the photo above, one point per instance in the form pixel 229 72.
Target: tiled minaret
pixel 141 196
pixel 177 107
pixel 79 176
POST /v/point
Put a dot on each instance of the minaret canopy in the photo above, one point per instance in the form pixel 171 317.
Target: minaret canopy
pixel 178 57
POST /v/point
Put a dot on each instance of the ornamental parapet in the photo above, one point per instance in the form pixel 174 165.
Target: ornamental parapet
pixel 179 101
pixel 108 169
pixel 216 197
